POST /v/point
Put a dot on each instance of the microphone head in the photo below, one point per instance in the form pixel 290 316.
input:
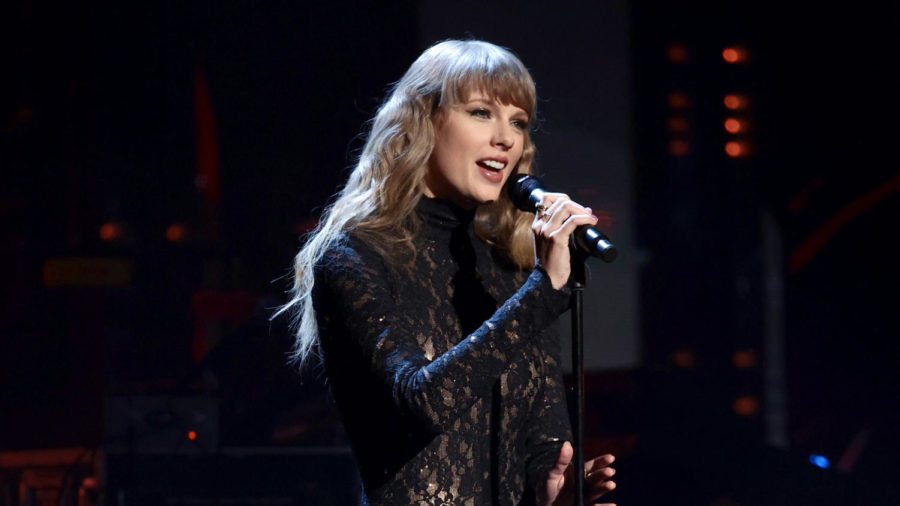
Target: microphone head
pixel 520 188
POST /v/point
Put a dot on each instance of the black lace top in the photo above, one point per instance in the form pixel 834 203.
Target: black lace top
pixel 447 374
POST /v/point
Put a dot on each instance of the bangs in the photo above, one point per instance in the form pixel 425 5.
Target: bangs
pixel 490 70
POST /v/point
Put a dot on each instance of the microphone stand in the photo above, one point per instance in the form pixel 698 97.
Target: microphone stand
pixel 577 410
pixel 527 193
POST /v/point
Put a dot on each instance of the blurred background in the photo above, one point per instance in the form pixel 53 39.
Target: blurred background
pixel 161 160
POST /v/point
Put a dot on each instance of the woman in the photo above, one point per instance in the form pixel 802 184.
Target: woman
pixel 431 297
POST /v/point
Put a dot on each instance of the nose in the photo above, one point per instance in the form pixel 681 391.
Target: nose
pixel 504 136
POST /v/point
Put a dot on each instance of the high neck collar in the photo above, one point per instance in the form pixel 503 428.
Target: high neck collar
pixel 443 214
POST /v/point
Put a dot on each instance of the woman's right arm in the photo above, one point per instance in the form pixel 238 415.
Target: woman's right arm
pixel 354 298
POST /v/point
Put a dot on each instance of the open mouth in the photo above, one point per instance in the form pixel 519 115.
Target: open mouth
pixel 492 164
pixel 492 169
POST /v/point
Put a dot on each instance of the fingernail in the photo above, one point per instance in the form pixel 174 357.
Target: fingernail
pixel 595 217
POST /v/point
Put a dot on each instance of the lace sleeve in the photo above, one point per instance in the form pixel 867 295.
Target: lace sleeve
pixel 352 294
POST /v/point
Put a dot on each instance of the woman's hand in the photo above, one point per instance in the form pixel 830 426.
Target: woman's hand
pixel 557 489
pixel 554 222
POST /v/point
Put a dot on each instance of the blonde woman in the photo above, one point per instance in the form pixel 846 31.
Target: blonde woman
pixel 432 299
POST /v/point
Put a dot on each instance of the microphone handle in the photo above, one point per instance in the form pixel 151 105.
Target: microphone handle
pixel 594 242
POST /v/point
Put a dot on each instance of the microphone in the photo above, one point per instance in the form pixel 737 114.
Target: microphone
pixel 526 192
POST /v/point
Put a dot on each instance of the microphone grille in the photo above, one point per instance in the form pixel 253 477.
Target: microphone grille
pixel 520 187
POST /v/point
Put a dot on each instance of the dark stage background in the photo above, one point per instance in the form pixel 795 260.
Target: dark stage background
pixel 161 161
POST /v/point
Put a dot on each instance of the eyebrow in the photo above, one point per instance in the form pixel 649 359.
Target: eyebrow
pixel 487 101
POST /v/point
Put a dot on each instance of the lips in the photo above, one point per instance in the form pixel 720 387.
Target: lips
pixel 492 169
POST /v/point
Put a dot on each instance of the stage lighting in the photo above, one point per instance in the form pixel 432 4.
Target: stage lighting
pixel 819 461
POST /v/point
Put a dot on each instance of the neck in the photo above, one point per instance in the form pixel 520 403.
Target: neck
pixel 444 214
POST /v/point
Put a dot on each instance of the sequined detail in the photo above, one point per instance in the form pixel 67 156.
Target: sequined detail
pixel 434 417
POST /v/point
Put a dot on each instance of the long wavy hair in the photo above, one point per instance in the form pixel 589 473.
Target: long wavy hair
pixel 380 196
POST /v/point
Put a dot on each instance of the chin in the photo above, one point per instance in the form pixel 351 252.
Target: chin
pixel 487 197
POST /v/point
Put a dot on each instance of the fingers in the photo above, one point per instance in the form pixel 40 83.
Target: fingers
pixel 595 492
pixel 555 207
pixel 597 486
pixel 559 216
pixel 562 463
pixel 599 462
pixel 556 477
pixel 553 224
pixel 598 478
pixel 564 458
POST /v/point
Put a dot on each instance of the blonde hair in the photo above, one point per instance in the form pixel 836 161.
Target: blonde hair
pixel 381 194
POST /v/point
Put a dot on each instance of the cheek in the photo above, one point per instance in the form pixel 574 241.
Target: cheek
pixel 520 152
pixel 443 159
pixel 450 151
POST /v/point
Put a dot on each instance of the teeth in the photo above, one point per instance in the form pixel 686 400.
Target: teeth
pixel 494 164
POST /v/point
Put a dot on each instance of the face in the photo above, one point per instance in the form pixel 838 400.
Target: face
pixel 477 144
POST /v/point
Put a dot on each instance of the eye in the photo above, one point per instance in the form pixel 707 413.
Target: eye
pixel 480 113
pixel 521 124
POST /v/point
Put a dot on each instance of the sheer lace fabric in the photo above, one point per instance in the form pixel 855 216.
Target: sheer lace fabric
pixel 447 374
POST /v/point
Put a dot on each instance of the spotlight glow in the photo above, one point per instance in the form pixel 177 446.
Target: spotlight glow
pixel 176 232
pixel 735 54
pixel 111 231
pixel 735 101
pixel 733 125
pixel 746 405
pixel 819 461
pixel 734 149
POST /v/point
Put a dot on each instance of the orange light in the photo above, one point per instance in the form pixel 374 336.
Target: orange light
pixel 744 359
pixel 731 55
pixel 684 358
pixel 677 53
pixel 678 100
pixel 734 149
pixel 746 405
pixel 192 435
pixel 678 124
pixel 736 102
pixel 176 232
pixel 679 147
pixel 111 231
pixel 734 125
pixel 735 54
